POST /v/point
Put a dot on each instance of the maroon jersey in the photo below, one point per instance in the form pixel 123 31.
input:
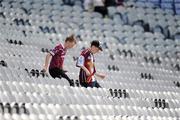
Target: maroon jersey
pixel 58 54
pixel 86 59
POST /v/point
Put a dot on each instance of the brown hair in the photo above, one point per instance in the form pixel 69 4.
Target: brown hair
pixel 71 38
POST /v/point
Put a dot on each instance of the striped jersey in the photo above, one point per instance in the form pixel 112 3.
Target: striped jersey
pixel 87 60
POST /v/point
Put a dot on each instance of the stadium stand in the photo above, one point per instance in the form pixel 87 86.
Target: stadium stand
pixel 141 58
pixel 167 5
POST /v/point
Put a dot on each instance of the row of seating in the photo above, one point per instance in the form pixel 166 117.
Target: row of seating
pixel 148 18
pixel 13 108
pixel 89 117
pixel 151 49
pixel 163 4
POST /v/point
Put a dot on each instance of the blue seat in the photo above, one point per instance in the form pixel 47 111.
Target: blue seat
pixel 158 29
pixel 166 1
pixel 125 18
pixel 177 36
pixel 155 2
pixel 141 4
pixel 167 6
pixel 117 18
pixel 177 11
pixel 176 1
pixel 149 5
pixel 78 3
pixel 177 8
pixel 139 23
pixel 141 0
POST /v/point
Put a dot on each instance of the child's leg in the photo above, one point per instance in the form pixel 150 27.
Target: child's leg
pixel 59 73
pixel 63 74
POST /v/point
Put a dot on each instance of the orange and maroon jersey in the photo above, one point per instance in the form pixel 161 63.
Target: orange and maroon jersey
pixel 87 60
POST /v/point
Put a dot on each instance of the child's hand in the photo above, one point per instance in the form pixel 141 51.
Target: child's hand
pixel 102 76
pixel 45 69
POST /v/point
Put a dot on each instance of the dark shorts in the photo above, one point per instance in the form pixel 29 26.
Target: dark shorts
pixel 59 73
pixel 56 72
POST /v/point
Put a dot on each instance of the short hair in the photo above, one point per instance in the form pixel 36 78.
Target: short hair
pixel 71 38
pixel 97 44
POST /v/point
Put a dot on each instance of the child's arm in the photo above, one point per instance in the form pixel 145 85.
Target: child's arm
pixel 46 64
pixel 101 75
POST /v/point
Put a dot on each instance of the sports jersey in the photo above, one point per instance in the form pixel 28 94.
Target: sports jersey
pixel 87 60
pixel 58 54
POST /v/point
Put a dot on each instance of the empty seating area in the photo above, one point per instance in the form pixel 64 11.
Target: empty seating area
pixel 167 5
pixel 160 28
pixel 141 58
